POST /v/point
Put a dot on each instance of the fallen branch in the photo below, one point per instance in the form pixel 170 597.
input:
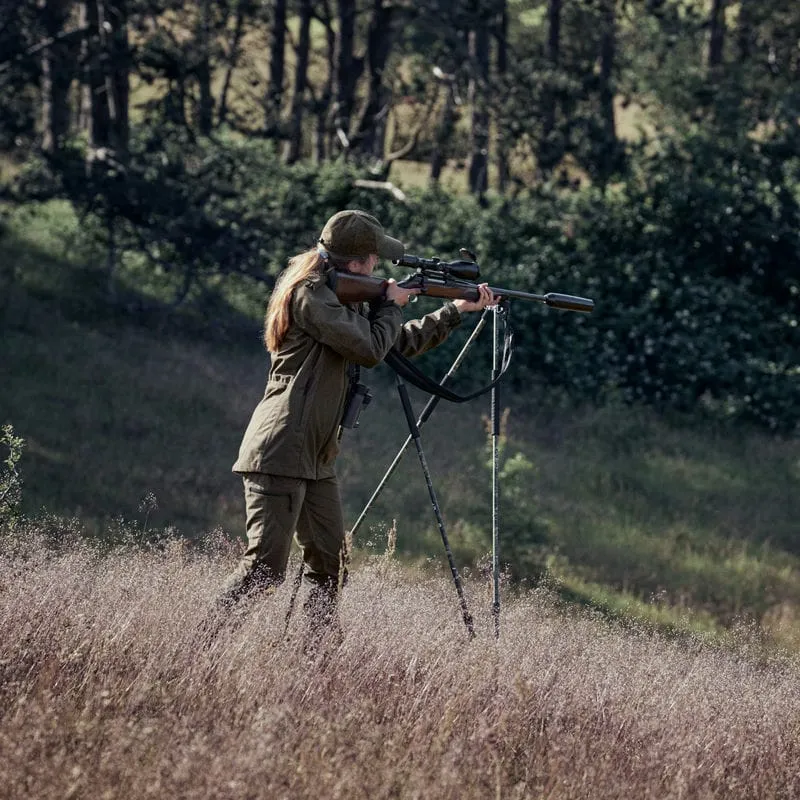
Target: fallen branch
pixel 387 186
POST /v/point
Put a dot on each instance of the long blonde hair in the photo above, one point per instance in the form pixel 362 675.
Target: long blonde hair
pixel 277 319
pixel 299 268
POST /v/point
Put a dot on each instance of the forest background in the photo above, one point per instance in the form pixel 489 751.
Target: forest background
pixel 162 160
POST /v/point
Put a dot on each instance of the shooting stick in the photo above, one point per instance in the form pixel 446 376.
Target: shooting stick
pixel 501 308
pixel 423 418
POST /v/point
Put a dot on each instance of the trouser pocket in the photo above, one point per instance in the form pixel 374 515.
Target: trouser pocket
pixel 272 504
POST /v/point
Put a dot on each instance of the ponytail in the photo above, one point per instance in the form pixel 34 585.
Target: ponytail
pixel 277 319
pixel 299 269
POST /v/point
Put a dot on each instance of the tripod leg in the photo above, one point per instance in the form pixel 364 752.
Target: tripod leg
pixel 499 309
pixel 423 418
pixel 414 428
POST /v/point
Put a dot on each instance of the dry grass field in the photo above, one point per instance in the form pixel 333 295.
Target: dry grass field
pixel 107 691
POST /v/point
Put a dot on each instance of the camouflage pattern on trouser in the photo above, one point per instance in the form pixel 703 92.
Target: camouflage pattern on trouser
pixel 277 508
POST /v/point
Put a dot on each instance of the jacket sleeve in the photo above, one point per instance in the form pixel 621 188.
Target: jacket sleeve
pixel 420 335
pixel 365 341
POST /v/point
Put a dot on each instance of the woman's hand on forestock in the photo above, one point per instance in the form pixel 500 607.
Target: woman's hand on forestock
pixel 485 298
pixel 400 296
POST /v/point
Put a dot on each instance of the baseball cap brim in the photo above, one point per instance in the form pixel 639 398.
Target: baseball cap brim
pixel 390 248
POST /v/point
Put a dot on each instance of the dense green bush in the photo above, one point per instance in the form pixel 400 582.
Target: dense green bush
pixel 692 263
pixel 189 208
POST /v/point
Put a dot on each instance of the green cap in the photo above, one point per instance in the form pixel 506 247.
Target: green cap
pixel 356 234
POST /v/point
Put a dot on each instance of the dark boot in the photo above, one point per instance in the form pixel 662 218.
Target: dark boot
pixel 323 631
pixel 230 605
pixel 245 585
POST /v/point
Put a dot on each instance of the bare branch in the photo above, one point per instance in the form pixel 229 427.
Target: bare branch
pixel 64 36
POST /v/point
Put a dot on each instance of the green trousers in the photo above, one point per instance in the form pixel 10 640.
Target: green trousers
pixel 279 508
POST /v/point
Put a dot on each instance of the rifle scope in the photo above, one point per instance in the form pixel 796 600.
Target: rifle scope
pixel 434 267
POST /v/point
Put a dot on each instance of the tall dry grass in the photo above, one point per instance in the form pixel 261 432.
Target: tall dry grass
pixel 107 692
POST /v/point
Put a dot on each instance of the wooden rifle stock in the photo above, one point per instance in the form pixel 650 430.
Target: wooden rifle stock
pixel 352 288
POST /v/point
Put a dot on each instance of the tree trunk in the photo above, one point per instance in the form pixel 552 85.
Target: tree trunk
pixel 502 66
pixel 716 36
pixel 112 25
pixel 548 155
pixel 234 50
pixel 94 100
pixel 56 76
pixel 323 107
pixel 554 32
pixel 608 47
pixel 277 51
pixel 346 72
pixel 444 132
pixel 295 144
pixel 205 109
pixel 121 74
pixel 368 136
pixel 745 30
pixel 479 150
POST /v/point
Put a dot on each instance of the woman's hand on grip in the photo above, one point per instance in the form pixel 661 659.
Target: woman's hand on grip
pixel 397 294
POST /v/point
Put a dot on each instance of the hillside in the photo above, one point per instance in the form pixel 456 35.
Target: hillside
pixel 132 428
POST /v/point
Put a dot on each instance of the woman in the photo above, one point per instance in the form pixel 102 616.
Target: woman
pixel 288 451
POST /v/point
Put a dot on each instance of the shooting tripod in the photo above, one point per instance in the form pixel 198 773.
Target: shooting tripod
pixel 447 280
pixel 500 311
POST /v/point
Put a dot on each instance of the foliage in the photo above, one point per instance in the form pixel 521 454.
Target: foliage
pixel 181 212
pixel 691 262
pixel 19 30
pixel 10 476
pixel 526 543
pixel 690 259
pixel 686 231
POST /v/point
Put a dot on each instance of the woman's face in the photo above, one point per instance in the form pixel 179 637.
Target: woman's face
pixel 365 266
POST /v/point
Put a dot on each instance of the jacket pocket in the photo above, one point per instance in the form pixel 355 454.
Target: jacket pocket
pixel 277 385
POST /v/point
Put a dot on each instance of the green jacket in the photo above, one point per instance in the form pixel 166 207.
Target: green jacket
pixel 294 429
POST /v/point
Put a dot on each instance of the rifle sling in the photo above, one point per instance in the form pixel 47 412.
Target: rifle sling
pixel 415 376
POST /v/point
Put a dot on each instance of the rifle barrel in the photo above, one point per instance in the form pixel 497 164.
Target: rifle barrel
pixel 444 285
pixel 566 302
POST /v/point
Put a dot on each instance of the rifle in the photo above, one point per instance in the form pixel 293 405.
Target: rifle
pixel 436 278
